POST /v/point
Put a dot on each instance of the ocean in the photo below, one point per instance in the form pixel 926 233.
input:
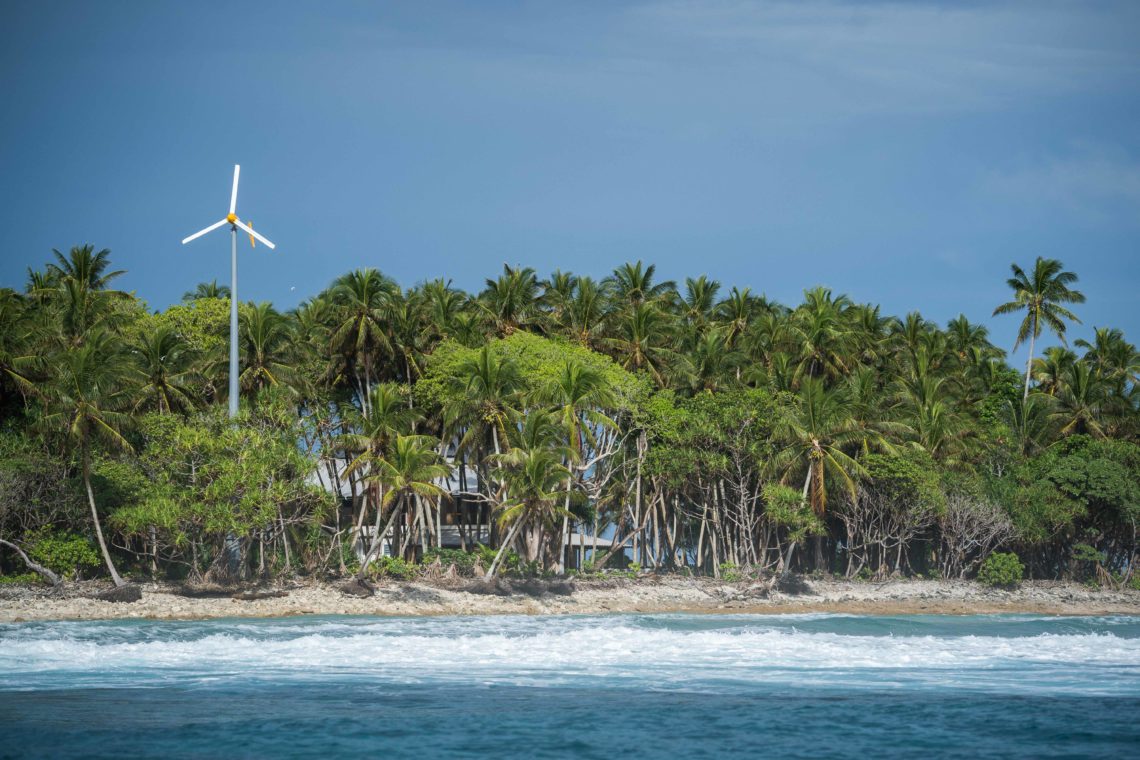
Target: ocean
pixel 612 686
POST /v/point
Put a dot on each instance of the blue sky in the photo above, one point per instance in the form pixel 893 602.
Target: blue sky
pixel 902 153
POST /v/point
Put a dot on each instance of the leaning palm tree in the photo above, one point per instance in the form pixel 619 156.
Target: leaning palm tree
pixel 410 472
pixel 1040 296
pixel 85 402
pixel 385 416
pixel 534 478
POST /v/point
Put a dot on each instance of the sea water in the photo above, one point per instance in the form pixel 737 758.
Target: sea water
pixel 617 686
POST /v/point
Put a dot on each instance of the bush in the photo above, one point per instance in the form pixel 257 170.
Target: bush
pixel 464 561
pixel 66 554
pixel 729 573
pixel 1001 570
pixel 394 567
pixel 509 563
pixel 21 579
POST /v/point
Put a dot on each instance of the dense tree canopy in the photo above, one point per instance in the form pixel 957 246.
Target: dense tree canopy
pixel 699 427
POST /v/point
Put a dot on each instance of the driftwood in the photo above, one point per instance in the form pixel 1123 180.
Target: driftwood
pixel 50 576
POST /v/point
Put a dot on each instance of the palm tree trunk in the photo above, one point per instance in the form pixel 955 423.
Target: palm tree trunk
pixel 95 518
pixel 502 550
pixel 1029 364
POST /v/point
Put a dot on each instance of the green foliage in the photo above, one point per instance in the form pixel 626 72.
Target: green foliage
pixel 394 567
pixel 1087 553
pixel 910 476
pixel 21 579
pixel 207 477
pixel 1001 570
pixel 730 573
pixel 203 324
pixel 464 562
pixel 539 361
pixel 786 508
pixel 67 554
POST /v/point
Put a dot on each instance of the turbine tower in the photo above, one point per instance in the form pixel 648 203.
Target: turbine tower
pixel 235 224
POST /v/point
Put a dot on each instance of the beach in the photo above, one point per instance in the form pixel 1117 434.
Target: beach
pixel 650 594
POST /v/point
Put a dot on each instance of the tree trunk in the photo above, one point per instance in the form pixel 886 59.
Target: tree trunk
pixel 1029 362
pixel 52 577
pixel 95 518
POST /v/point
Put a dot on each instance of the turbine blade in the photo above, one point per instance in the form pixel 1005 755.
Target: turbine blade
pixel 233 195
pixel 250 232
pixel 211 228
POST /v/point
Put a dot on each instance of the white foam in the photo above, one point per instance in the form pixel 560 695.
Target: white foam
pixel 647 651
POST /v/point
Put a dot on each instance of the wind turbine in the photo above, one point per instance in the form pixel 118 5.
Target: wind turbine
pixel 235 224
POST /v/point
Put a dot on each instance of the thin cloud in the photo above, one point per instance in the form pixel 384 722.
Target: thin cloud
pixel 1093 184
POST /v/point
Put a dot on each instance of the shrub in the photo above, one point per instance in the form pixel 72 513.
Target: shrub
pixel 21 579
pixel 394 567
pixel 464 561
pixel 66 554
pixel 729 573
pixel 1001 570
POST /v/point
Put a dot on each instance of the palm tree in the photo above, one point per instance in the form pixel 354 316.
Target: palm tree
pixel 445 306
pixel 699 302
pixel 265 344
pixel 1040 296
pixel 585 313
pixel 735 314
pixel 410 471
pixel 1030 422
pixel 1051 368
pixel 632 285
pixel 511 301
pixel 557 294
pixel 86 266
pixel 487 386
pixel 1113 358
pixel 79 289
pixel 385 416
pixel 18 357
pixel 361 299
pixel 1081 400
pixel 163 363
pixel 640 342
pixel 535 480
pixel 816 425
pixel 86 399
pixel 209 289
pixel 823 334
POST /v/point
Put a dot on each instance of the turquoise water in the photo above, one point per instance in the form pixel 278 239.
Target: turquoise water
pixel 618 686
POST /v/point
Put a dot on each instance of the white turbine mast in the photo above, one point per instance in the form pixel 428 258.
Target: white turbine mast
pixel 235 224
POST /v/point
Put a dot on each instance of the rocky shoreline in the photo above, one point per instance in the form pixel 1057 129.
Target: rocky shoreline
pixel 653 594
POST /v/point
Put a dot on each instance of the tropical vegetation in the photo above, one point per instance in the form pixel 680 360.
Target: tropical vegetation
pixel 695 428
